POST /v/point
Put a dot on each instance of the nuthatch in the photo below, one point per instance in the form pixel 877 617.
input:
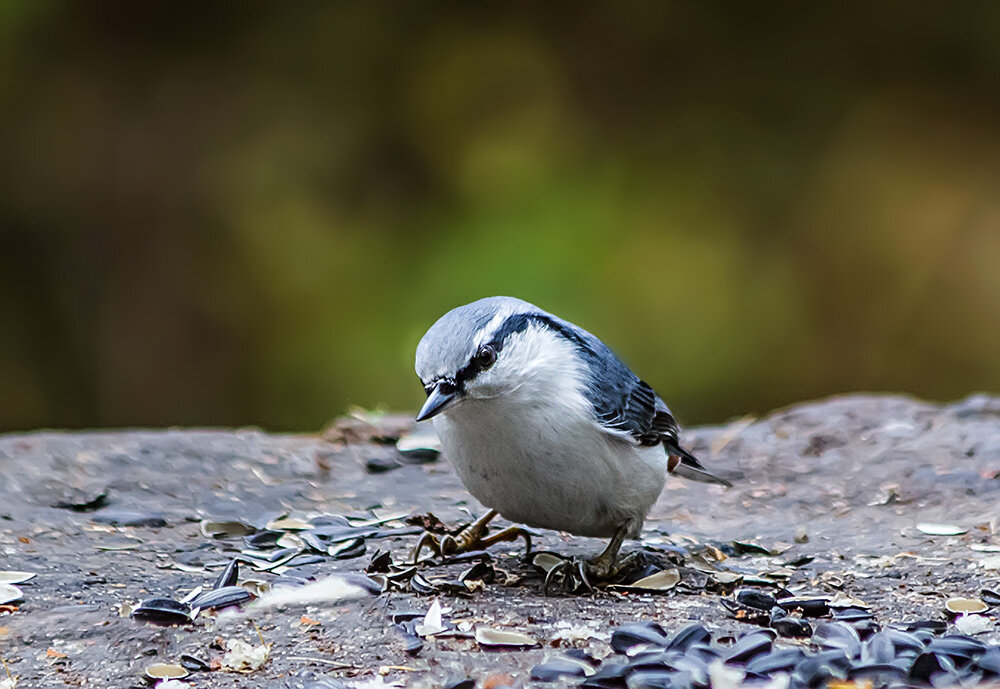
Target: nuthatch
pixel 546 426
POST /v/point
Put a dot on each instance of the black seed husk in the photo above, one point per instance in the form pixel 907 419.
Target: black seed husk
pixel 229 576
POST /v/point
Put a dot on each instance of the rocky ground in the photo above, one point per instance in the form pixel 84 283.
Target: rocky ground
pixel 827 499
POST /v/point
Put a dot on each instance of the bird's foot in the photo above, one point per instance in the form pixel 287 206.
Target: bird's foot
pixel 475 536
pixel 578 573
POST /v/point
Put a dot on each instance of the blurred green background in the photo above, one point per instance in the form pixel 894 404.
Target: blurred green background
pixel 249 212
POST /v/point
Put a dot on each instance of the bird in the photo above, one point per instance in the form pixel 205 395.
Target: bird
pixel 546 426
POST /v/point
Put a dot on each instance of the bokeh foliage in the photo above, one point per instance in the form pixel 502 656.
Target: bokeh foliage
pixel 248 213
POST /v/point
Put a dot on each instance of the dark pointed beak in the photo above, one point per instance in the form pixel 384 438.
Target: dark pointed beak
pixel 440 397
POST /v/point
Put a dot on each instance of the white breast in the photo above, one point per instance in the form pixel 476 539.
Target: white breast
pixel 536 454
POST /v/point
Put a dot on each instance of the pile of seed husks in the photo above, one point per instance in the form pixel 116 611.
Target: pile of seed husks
pixel 858 652
pixel 798 642
pixel 895 656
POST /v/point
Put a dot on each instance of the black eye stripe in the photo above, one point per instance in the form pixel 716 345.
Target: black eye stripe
pixel 483 359
pixel 515 324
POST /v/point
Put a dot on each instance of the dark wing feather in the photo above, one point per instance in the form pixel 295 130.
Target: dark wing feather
pixel 633 411
pixel 626 405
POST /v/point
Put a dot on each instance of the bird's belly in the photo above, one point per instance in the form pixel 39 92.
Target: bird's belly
pixel 580 480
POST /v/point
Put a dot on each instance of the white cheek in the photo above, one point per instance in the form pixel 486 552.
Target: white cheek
pixel 490 383
pixel 537 363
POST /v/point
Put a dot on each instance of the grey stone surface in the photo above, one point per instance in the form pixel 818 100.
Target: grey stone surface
pixel 853 475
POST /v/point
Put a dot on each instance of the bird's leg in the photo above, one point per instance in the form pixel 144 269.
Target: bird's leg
pixel 578 571
pixel 472 537
pixel 606 565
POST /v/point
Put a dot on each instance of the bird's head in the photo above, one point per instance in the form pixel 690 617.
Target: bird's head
pixel 486 349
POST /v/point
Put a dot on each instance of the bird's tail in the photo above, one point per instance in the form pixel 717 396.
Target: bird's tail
pixel 683 463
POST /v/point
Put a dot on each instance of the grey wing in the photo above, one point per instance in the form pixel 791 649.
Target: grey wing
pixel 626 405
pixel 640 413
pixel 631 409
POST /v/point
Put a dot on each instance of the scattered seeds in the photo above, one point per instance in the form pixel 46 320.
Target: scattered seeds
pixel 12 577
pixel 807 607
pixel 557 668
pixel 193 663
pixel 420 445
pixel 487 637
pixel 346 550
pixel 158 671
pixel 272 561
pixel 222 597
pixel 754 598
pixel 932 529
pixel 791 627
pixel 798 561
pixel 749 646
pixel 380 464
pixel 225 529
pixel 229 576
pixel 631 638
pixel 267 538
pixel 546 561
pixel 726 578
pixel 965 606
pixel 481 571
pixel 289 524
pixel 568 633
pixel 10 593
pixel 655 583
pixel 419 584
pixel 432 623
pixel 162 612
pixel 380 562
pixel 842 600
pixel 749 548
pixel 291 540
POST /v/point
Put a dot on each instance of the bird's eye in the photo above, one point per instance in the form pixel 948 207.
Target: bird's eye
pixel 486 357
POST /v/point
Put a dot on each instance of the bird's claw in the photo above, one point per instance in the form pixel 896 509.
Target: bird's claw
pixel 472 537
pixel 427 540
